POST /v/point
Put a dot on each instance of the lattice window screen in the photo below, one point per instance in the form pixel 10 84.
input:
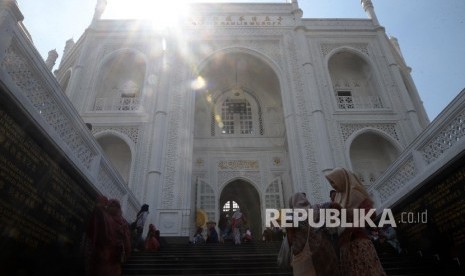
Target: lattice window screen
pixel 206 199
pixel 273 195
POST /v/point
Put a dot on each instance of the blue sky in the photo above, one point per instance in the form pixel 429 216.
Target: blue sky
pixel 431 34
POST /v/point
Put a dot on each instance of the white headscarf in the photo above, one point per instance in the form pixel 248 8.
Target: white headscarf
pixel 237 214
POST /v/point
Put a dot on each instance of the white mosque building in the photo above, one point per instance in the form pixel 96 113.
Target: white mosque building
pixel 240 105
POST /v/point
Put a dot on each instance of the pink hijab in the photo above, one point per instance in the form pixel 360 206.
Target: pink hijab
pixel 350 192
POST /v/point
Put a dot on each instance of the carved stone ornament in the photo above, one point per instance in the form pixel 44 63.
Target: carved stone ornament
pixel 199 162
pixel 276 161
pixel 238 165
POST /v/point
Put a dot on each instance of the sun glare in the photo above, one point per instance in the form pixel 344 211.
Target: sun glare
pixel 162 13
pixel 198 83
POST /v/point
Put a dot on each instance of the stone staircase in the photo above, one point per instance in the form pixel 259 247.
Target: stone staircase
pixel 254 259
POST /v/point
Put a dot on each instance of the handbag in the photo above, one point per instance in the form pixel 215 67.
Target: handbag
pixel 302 263
pixel 284 255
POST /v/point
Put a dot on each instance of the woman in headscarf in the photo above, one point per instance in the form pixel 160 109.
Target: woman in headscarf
pixel 316 258
pixel 152 242
pixel 237 224
pixel 138 241
pixel 357 253
pixel 109 234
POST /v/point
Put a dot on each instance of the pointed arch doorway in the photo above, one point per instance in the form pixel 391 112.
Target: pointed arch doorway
pixel 241 194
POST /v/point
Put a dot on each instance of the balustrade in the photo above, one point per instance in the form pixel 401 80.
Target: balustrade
pixel 117 104
pixel 352 102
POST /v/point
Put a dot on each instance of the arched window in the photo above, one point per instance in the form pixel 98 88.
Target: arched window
pixel 118 152
pixel 354 82
pixel 206 199
pixel 230 207
pixel 237 116
pixel 237 113
pixel 273 194
pixel 370 155
pixel 121 82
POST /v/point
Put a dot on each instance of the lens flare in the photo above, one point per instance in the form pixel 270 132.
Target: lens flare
pixel 198 83
pixel 162 13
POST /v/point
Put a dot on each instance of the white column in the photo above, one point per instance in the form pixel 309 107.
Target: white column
pixel 370 10
pixel 51 59
pixel 99 9
pixel 325 155
pixel 79 94
pixel 412 115
pixel 158 136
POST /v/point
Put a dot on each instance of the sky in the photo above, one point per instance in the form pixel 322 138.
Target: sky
pixel 431 33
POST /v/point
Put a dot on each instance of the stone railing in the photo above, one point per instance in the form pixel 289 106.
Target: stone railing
pixel 117 104
pixel 26 80
pixel 351 102
pixel 435 147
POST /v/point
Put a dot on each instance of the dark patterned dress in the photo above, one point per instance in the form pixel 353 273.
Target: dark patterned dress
pixel 358 256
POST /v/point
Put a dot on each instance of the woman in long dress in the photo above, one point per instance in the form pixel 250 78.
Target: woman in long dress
pixel 109 236
pixel 358 256
pixel 152 242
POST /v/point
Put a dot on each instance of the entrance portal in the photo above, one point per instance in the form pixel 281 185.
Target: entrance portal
pixel 241 194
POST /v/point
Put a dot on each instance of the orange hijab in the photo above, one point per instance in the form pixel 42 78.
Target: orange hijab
pixel 350 192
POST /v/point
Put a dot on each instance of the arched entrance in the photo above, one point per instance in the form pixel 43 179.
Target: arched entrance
pixel 247 199
pixel 370 155
pixel 238 119
pixel 119 153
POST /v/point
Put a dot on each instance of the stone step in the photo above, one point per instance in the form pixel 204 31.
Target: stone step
pixel 252 259
pixel 257 258
pixel 235 269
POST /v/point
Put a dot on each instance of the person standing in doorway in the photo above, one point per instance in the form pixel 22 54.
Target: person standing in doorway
pixel 237 224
